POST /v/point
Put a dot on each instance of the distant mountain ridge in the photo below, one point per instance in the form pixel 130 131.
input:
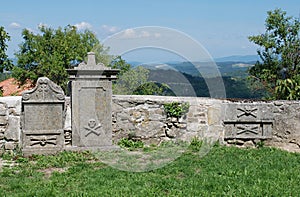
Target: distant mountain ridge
pixel 238 58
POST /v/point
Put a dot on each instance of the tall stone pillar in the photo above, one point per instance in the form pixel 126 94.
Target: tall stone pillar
pixel 91 98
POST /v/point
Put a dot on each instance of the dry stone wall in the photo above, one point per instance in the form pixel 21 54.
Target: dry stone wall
pixel 144 117
pixel 10 123
pixel 239 122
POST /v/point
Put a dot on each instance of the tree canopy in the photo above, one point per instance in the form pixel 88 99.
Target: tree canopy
pixel 278 70
pixel 5 62
pixel 52 51
pixel 136 80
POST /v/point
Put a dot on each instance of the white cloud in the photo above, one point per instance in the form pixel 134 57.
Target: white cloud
pixel 83 26
pixel 157 35
pixel 109 29
pixel 145 34
pixel 15 25
pixel 131 33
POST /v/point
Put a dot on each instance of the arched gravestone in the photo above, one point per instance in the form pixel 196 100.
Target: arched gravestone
pixel 42 118
pixel 91 97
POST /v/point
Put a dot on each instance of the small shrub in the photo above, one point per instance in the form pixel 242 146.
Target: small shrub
pixel 176 109
pixel 196 144
pixel 22 160
pixel 260 144
pixel 130 143
pixel 8 155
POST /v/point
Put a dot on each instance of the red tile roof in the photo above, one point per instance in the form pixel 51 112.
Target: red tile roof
pixel 11 87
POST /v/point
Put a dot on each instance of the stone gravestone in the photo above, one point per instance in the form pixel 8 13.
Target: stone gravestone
pixel 91 104
pixel 42 118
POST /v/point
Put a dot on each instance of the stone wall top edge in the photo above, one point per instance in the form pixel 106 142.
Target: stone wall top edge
pixel 143 98
pixel 208 100
pixel 5 98
pixel 173 98
pixel 261 101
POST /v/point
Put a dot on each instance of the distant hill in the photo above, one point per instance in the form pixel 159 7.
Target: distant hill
pixel 232 68
pixel 183 84
pixel 238 58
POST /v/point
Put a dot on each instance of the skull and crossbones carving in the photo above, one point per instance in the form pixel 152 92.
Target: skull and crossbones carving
pixel 247 129
pixel 93 127
pixel 247 111
pixel 42 140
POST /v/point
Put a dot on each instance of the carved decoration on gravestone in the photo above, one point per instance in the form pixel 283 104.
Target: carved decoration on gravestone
pixel 248 121
pixel 43 118
pixel 247 111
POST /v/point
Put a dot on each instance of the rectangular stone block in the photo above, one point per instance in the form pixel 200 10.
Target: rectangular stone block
pixel 248 131
pixel 10 145
pixel 3 120
pixel 13 131
pixel 248 111
pixel 3 109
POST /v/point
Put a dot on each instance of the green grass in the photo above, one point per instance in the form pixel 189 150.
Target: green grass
pixel 224 171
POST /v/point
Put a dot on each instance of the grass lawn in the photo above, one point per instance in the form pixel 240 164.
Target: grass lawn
pixel 224 171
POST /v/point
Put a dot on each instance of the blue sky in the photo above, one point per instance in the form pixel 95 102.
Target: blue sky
pixel 220 26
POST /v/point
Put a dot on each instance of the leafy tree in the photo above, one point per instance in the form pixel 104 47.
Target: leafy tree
pixel 278 70
pixel 154 88
pixel 53 51
pixel 101 54
pixel 5 62
pixel 129 81
pixel 121 64
pixel 136 80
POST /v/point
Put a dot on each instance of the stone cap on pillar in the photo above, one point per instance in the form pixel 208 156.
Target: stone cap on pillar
pixel 91 70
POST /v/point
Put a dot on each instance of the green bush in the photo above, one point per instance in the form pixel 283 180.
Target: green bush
pixel 195 144
pixel 176 109
pixel 130 143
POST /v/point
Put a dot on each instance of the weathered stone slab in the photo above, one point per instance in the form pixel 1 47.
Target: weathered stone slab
pixel 13 129
pixel 248 111
pixel 91 113
pixel 3 109
pixel 248 130
pixel 10 145
pixel 43 118
pixel 248 121
pixel 3 120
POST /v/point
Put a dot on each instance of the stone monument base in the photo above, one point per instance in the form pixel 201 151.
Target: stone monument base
pixel 92 148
